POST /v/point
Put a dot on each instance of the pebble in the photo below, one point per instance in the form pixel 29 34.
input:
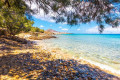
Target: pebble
pixel 44 69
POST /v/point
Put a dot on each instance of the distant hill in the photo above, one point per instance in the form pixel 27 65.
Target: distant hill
pixel 51 31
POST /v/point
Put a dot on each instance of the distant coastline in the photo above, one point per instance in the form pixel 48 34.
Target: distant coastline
pixel 51 31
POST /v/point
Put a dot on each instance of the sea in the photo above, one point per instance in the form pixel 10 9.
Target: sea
pixel 99 48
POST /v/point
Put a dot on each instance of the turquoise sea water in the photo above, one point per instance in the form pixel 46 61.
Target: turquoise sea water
pixel 101 48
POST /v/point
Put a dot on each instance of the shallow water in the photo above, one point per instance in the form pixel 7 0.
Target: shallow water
pixel 101 48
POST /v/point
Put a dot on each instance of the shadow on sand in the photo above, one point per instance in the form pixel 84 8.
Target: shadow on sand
pixel 40 66
pixel 27 67
pixel 9 44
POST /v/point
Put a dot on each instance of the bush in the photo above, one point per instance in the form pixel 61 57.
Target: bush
pixel 3 32
pixel 41 30
pixel 36 29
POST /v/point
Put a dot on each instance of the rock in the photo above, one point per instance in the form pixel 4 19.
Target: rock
pixel 30 76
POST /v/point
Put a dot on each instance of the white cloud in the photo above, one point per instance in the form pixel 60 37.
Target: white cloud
pixel 64 29
pixel 41 14
pixel 46 17
pixel 64 23
pixel 93 30
pixel 78 29
pixel 110 30
pixel 41 26
pixel 69 9
pixel 107 30
pixel 117 12
pixel 111 5
pixel 60 27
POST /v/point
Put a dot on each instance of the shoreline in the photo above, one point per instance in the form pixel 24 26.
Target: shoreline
pixel 43 62
pixel 103 67
pixel 91 63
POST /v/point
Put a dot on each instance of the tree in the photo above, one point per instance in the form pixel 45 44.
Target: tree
pixel 28 26
pixel 36 29
pixel 42 30
pixel 80 11
pixel 13 17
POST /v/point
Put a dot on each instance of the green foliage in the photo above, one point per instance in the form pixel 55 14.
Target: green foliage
pixel 82 11
pixel 28 26
pixel 12 16
pixel 36 29
pixel 12 13
pixel 42 30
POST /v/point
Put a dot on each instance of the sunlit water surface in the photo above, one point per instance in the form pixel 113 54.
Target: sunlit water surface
pixel 102 48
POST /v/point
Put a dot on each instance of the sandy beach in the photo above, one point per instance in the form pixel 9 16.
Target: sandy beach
pixel 59 40
pixel 62 54
pixel 39 62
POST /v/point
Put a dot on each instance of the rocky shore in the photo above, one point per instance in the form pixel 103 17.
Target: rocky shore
pixel 34 62
pixel 36 36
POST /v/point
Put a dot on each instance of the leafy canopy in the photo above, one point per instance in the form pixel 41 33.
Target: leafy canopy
pixel 36 29
pixel 72 12
pixel 12 16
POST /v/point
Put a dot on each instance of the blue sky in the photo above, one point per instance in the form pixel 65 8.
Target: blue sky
pixel 44 24
pixel 44 21
pixel 89 28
